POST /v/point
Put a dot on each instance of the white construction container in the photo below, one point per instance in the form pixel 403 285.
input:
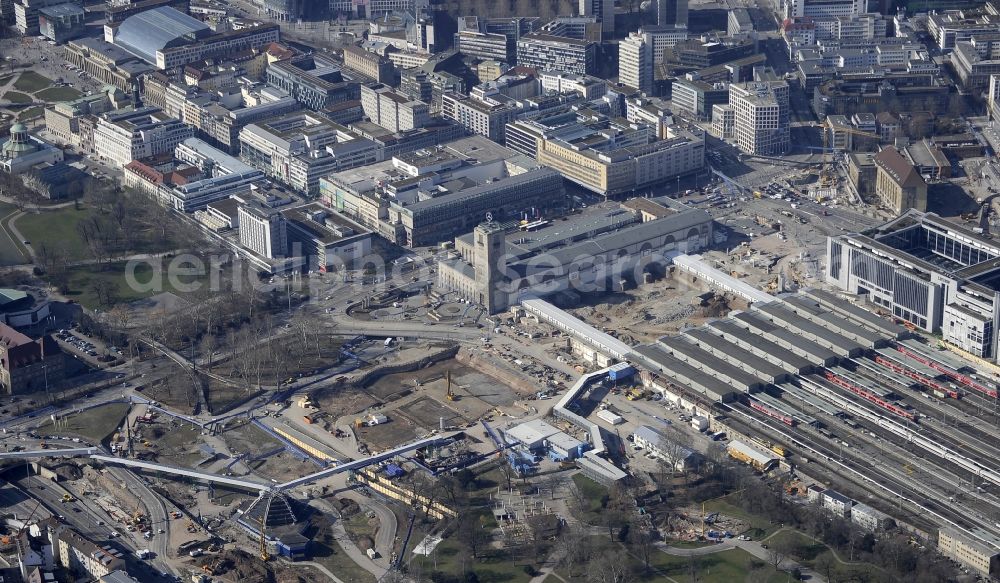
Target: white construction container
pixel 610 417
pixel 700 423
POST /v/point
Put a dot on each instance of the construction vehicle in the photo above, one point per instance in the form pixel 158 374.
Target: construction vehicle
pixel 313 417
pixel 10 538
pixel 175 514
pixel 43 445
pixel 451 394
pixel 635 394
pixel 67 498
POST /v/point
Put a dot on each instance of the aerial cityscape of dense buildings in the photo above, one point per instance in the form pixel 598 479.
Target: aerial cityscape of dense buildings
pixel 391 290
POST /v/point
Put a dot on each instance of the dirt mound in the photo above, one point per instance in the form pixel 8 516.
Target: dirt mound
pixel 67 472
pixel 237 565
pixel 346 507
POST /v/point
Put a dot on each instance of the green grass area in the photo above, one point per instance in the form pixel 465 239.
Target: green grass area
pixel 689 544
pixel 732 566
pixel 11 250
pixel 83 283
pixel 224 396
pixel 594 494
pixel 243 436
pixel 93 424
pixel 760 527
pixel 729 566
pixel 449 557
pixel 174 442
pixel 57 228
pixel 58 94
pixel 15 97
pixel 359 526
pixel 326 551
pixel 31 81
pixel 6 79
pixel 808 549
pixel 31 113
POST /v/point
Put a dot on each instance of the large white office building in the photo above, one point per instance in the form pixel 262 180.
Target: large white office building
pixel 263 230
pixel 635 62
pixel 121 137
pixel 937 275
pixel 761 117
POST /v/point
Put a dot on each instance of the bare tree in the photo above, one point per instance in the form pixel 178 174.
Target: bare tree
pixel 610 567
pixel 573 549
pixel 472 534
pixel 779 550
pixel 642 541
pixel 826 564
pixel 105 291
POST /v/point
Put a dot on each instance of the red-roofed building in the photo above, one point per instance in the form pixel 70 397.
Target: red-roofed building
pixel 26 364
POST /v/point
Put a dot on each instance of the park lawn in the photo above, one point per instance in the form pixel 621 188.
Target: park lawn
pixel 58 94
pixel 326 550
pixel 15 97
pixel 732 566
pixel 95 424
pixel 689 544
pixel 448 557
pixel 57 228
pixel 760 527
pixel 11 250
pixel 31 113
pixel 594 493
pixel 359 526
pixel 31 81
pixel 82 283
pixel 808 549
pixel 5 79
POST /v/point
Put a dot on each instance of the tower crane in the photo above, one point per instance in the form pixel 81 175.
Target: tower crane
pixel 264 555
pixel 826 175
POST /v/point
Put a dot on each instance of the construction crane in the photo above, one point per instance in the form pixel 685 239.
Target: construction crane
pixel 8 539
pixel 451 394
pixel 264 555
pixel 826 175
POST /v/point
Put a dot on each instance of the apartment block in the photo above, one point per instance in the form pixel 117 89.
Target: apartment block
pixel 393 111
pixel 480 117
pixel 982 557
pixel 635 62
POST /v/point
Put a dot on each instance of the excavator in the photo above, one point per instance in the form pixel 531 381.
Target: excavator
pixel 10 538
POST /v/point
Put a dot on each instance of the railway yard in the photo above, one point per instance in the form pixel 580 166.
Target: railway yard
pixel 855 395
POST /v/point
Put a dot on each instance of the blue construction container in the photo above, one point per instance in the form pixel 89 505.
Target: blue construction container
pixel 620 371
